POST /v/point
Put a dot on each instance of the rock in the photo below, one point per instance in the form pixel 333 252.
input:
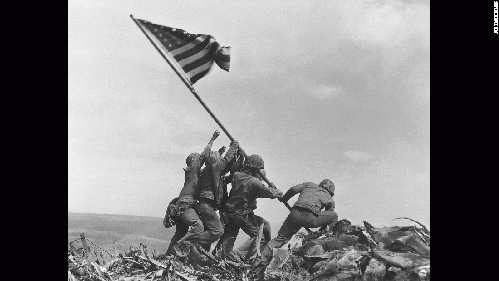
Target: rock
pixel 400 260
pixel 330 267
pixel 314 250
pixel 347 276
pixel 387 235
pixel 297 261
pixel 338 242
pixel 317 266
pixel 294 243
pixel 409 243
pixel 325 268
pixel 374 271
pixel 347 262
pixel 402 275
pixel 342 226
pixel 279 257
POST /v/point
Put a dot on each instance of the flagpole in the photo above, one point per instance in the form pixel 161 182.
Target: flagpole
pixel 193 91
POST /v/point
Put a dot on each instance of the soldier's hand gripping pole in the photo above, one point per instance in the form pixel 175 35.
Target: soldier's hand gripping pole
pixel 193 91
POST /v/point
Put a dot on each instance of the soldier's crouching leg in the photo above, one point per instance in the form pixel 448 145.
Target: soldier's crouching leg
pixel 326 218
pixel 192 220
pixel 289 227
pixel 226 243
pixel 180 231
pixel 212 225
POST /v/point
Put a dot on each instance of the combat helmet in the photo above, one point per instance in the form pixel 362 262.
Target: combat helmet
pixel 328 185
pixel 255 161
pixel 191 158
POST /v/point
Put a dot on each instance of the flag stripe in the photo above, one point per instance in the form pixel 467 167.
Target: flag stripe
pixel 198 55
pixel 222 58
pixel 193 43
pixel 199 76
pixel 199 69
pixel 207 58
pixel 193 50
pixel 192 58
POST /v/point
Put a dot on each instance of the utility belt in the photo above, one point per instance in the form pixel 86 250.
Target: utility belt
pixel 308 210
pixel 208 201
pixel 240 208
pixel 185 203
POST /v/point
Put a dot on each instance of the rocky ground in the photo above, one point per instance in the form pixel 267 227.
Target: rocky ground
pixel 346 252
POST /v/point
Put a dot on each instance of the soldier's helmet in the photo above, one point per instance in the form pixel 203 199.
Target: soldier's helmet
pixel 192 158
pixel 328 185
pixel 214 157
pixel 255 161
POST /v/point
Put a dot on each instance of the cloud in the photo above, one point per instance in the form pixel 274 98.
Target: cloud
pixel 396 29
pixel 326 91
pixel 396 183
pixel 357 156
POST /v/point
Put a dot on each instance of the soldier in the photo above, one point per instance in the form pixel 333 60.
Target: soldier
pixel 211 189
pixel 189 225
pixel 246 188
pixel 306 212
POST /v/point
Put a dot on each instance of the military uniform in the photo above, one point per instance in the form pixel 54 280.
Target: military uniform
pixel 211 194
pixel 190 225
pixel 239 208
pixel 180 231
pixel 306 212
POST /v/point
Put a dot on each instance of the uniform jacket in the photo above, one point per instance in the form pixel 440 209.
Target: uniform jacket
pixel 246 189
pixel 312 197
pixel 190 191
pixel 210 183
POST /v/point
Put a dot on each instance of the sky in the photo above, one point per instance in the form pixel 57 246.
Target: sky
pixel 319 89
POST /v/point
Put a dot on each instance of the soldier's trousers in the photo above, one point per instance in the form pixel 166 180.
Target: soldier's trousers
pixel 180 230
pixel 204 228
pixel 213 227
pixel 250 224
pixel 299 218
pixel 191 219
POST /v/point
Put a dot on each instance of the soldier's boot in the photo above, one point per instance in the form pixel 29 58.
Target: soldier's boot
pixel 260 264
pixel 181 249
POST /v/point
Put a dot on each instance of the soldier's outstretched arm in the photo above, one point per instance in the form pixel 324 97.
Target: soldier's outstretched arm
pixel 221 150
pixel 292 191
pixel 207 149
pixel 233 147
pixel 269 191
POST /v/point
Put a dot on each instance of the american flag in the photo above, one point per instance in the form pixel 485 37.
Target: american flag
pixel 191 54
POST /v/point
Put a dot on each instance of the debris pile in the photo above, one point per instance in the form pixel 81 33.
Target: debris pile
pixel 347 252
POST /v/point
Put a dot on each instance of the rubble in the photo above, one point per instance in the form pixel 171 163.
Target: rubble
pixel 347 252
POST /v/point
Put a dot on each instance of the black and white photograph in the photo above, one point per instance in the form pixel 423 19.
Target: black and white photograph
pixel 248 140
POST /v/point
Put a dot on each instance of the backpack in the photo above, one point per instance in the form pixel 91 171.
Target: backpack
pixel 172 214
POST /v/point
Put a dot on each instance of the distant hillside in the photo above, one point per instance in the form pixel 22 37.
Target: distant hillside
pixel 118 232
